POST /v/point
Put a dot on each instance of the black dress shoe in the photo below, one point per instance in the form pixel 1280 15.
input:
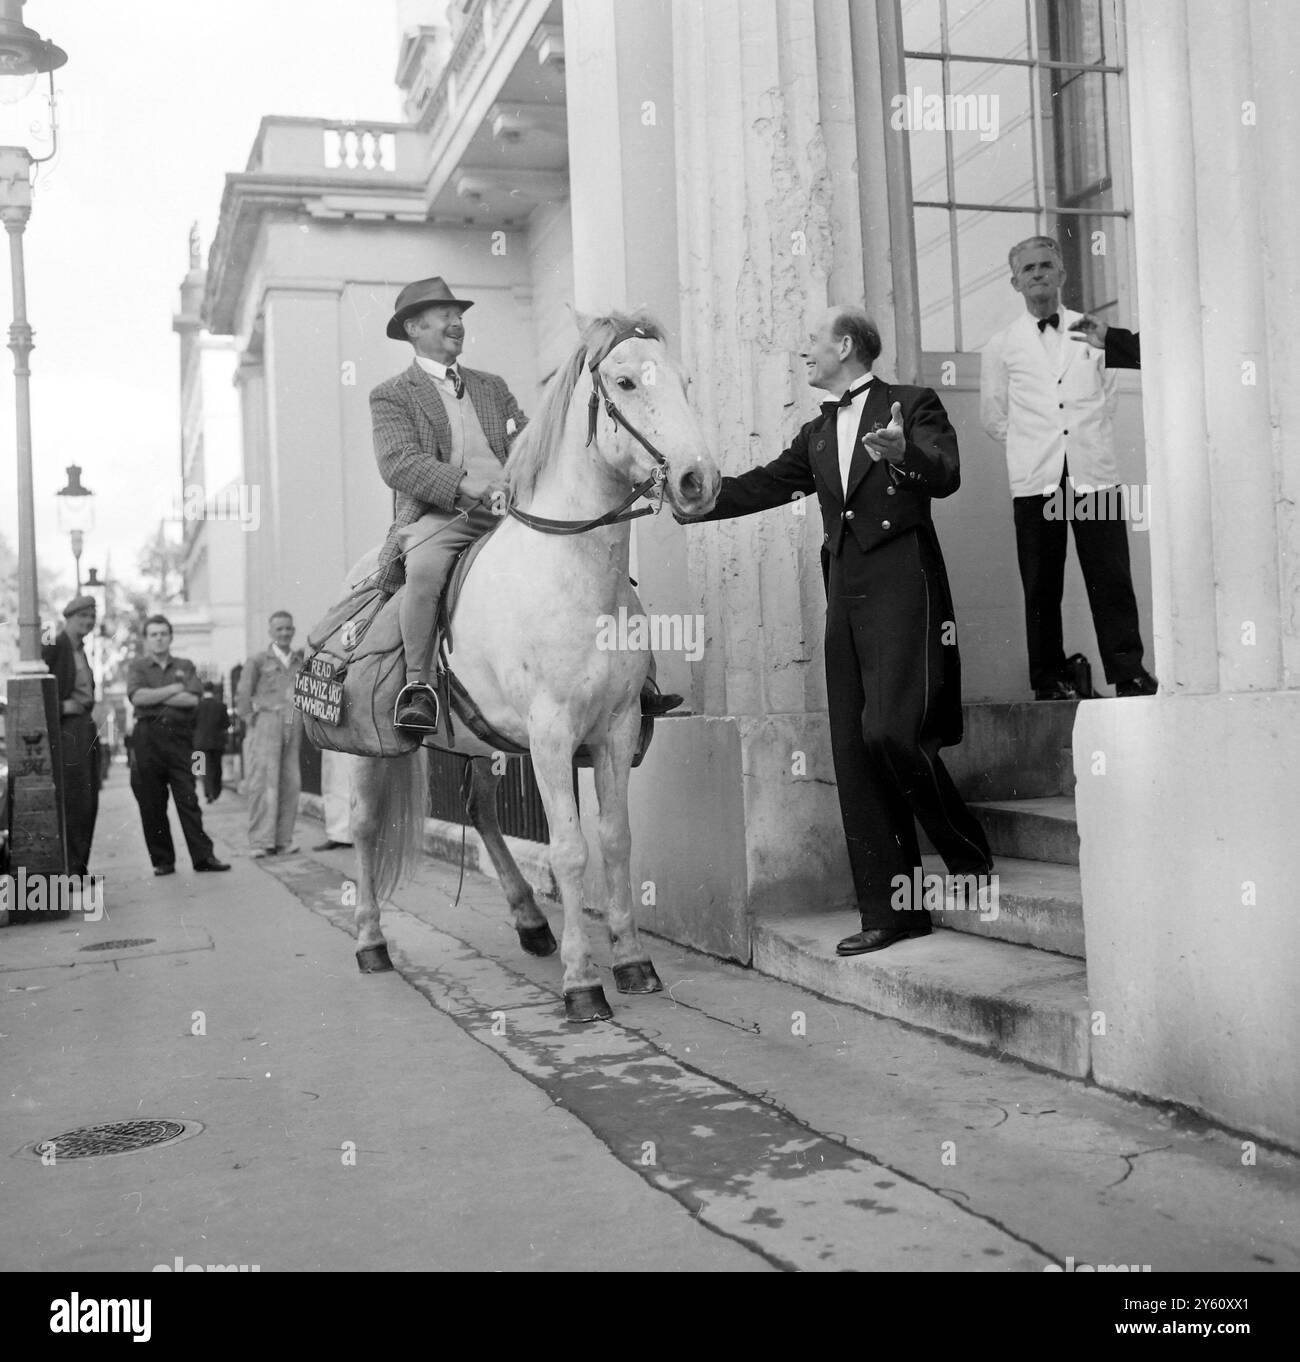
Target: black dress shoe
pixel 1144 684
pixel 877 938
pixel 211 864
pixel 164 870
pixel 331 845
pixel 417 709
pixel 657 704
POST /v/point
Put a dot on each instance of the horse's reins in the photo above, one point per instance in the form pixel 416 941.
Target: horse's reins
pixel 653 485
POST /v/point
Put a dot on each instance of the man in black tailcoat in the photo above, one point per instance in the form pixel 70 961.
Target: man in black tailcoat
pixel 875 457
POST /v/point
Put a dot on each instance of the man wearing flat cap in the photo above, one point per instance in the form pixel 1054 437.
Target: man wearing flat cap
pixel 442 433
pixel 79 738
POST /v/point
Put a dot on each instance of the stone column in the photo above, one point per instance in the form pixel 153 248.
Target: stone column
pixel 305 451
pixel 1188 803
pixel 623 201
pixel 259 545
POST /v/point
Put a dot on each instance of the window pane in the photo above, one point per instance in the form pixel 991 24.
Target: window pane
pixel 992 140
pixel 1080 134
pixel 928 149
pixel 934 278
pixel 1075 30
pixel 1093 247
pixel 988 302
pixel 921 25
pixel 988 28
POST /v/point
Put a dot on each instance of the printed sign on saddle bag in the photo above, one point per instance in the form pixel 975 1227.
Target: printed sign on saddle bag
pixel 351 677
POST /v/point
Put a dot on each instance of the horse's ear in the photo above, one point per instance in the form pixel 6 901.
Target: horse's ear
pixel 580 319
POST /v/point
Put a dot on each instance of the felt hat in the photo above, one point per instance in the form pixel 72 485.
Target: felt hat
pixel 77 604
pixel 416 297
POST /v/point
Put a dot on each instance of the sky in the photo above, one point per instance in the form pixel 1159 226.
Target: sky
pixel 158 102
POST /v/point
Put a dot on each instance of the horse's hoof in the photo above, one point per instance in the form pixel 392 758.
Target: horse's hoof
pixel 586 1005
pixel 637 976
pixel 537 940
pixel 374 959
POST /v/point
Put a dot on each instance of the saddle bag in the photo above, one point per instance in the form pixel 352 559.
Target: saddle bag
pixel 351 676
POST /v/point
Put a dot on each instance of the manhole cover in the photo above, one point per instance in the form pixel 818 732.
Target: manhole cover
pixel 121 945
pixel 116 1137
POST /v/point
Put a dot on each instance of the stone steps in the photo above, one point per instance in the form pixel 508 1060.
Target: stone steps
pixel 1015 983
pixel 1025 1003
pixel 1038 903
pixel 1031 829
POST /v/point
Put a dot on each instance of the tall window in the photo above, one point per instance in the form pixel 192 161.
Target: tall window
pixel 1013 116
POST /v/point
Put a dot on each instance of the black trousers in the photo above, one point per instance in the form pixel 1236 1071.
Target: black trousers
pixel 212 772
pixel 79 740
pixel 884 671
pixel 162 753
pixel 1101 540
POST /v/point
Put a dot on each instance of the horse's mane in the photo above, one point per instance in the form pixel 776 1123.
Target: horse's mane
pixel 541 436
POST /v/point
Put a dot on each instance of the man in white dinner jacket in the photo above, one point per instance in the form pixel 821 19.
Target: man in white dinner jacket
pixel 1053 404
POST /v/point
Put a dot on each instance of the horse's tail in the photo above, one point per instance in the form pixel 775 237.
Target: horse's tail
pixel 401 795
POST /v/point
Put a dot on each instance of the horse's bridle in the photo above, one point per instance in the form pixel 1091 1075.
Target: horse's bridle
pixel 652 487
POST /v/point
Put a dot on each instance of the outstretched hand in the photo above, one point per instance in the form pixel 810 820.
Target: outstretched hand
pixel 888 442
pixel 1090 329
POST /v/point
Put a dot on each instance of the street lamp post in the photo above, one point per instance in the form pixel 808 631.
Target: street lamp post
pixel 35 757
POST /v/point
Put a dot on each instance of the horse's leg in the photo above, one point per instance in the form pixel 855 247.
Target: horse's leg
pixel 388 800
pixel 372 949
pixel 534 931
pixel 612 765
pixel 584 999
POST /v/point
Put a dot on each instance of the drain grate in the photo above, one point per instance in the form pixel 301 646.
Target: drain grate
pixel 115 1137
pixel 121 945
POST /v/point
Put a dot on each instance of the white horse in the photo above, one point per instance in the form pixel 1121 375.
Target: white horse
pixel 527 633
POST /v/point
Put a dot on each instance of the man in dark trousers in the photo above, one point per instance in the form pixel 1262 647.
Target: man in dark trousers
pixel 1051 404
pixel 211 723
pixel 66 658
pixel 164 691
pixel 875 457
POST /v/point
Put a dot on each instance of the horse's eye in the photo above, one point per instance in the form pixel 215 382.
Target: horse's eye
pixel 626 384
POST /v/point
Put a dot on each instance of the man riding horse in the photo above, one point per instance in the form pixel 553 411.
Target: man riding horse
pixel 442 455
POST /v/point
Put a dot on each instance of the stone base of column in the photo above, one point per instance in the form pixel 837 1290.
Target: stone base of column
pixel 731 818
pixel 1188 812
pixel 37 835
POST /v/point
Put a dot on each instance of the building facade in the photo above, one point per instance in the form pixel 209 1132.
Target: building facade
pixel 735 167
pixel 210 502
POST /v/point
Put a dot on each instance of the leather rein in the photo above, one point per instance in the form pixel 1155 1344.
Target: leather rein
pixel 651 488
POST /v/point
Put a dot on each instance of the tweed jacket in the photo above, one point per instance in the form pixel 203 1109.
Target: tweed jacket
pixel 413 445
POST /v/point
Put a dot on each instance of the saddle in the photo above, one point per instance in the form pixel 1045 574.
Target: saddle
pixel 355 668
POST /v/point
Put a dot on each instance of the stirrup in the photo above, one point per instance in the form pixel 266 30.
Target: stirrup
pixel 405 695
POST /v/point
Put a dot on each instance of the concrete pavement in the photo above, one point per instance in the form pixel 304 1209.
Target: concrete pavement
pixel 446 1116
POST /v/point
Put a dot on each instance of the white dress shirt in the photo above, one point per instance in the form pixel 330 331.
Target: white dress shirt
pixel 847 420
pixel 1049 398
pixel 438 372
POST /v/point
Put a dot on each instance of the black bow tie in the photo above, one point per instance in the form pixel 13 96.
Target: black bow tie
pixel 1053 321
pixel 830 408
pixel 457 382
